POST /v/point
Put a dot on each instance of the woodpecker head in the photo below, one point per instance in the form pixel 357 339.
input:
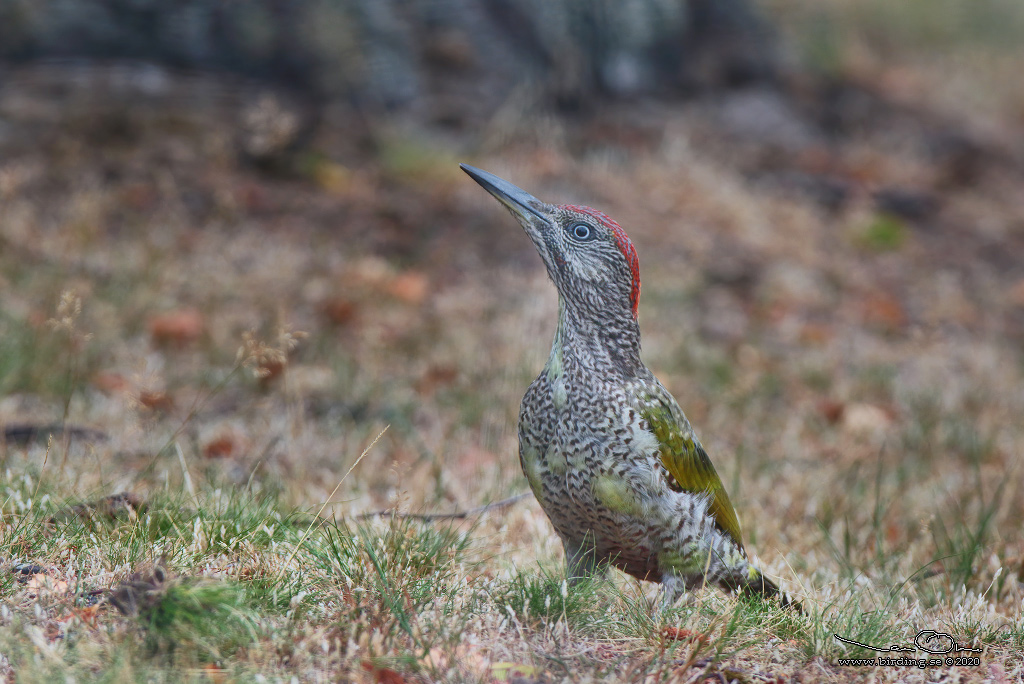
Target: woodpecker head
pixel 589 257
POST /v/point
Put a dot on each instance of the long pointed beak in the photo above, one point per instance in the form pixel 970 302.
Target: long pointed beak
pixel 518 201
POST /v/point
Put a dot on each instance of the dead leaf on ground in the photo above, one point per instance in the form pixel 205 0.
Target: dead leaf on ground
pixel 269 369
pixel 383 675
pixel 41 584
pixel 679 634
pixel 215 674
pixel 110 382
pixel 884 310
pixel 177 328
pixel 831 410
pixel 156 400
pixel 223 446
pixel 338 310
pixel 87 615
pixel 435 377
pixel 816 333
pixel 52 632
pixel 410 287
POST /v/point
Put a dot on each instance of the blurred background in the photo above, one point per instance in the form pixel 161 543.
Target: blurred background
pixel 827 198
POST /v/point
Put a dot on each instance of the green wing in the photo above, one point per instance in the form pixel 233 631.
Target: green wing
pixel 688 463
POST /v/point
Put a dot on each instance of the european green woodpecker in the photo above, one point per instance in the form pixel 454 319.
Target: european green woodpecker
pixel 607 451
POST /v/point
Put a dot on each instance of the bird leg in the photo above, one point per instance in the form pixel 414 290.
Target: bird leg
pixel 673 588
pixel 581 559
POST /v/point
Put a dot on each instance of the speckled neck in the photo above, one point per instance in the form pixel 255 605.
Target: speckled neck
pixel 610 347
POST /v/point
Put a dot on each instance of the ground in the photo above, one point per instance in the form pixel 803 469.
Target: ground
pixel 255 345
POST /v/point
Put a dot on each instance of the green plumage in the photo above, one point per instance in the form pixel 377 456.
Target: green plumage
pixel 607 451
pixel 690 467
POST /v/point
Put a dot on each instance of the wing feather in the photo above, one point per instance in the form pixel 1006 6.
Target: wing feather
pixel 688 465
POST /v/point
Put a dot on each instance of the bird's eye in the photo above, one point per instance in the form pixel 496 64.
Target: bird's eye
pixel 581 231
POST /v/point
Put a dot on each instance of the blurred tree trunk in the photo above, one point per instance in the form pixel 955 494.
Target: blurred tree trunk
pixel 450 56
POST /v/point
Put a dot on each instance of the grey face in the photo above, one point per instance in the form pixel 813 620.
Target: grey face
pixel 588 256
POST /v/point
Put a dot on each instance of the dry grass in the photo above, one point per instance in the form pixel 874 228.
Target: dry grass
pixel 857 379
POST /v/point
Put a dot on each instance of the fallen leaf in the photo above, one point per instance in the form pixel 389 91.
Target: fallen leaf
pixel 832 410
pixel 176 328
pixel 110 383
pixel 87 615
pixel 156 400
pixel 435 377
pixel 410 287
pixel 338 311
pixel 221 447
pixel 52 631
pixel 680 634
pixel 215 674
pixel 269 369
pixel 383 675
pixel 41 584
pixel 884 310
pixel 816 333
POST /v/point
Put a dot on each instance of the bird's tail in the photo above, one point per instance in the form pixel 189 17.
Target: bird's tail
pixel 757 583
